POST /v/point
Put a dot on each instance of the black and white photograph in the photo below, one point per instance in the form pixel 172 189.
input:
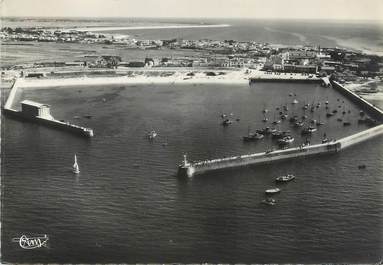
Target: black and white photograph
pixel 191 131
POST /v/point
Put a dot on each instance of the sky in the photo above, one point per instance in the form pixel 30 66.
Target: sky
pixel 257 9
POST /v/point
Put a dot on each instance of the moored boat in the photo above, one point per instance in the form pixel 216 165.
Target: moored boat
pixel 287 178
pixel 272 191
pixel 226 122
pixel 152 134
pixel 252 137
pixel 269 201
pixel 309 130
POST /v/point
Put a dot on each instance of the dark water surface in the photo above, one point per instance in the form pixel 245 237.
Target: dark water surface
pixel 127 205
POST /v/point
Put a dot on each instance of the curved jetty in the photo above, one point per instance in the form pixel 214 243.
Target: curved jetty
pixel 191 168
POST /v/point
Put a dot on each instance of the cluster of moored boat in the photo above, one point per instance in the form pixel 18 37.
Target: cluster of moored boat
pixel 269 192
pixel 307 125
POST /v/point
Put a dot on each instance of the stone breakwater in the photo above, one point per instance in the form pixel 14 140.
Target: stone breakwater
pixel 191 168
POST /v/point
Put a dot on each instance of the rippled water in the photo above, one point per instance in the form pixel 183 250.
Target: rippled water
pixel 127 205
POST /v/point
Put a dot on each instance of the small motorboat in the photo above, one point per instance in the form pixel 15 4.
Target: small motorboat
pixel 276 122
pixel 299 124
pixel 88 116
pixel 252 137
pixel 362 166
pixel 226 122
pixel 346 123
pixel 287 178
pixel 152 134
pixel 295 101
pixel 269 201
pixel 329 114
pixel 286 140
pixel 319 123
pixel 272 191
pixel 308 130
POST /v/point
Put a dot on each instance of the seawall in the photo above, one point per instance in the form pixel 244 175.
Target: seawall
pixel 11 96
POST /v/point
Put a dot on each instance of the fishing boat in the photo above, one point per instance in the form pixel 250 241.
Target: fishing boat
pixel 287 178
pixel 152 134
pixel 76 168
pixel 252 136
pixel 226 122
pixel 309 130
pixel 276 121
pixel 299 124
pixel 286 140
pixel 272 191
pixel 269 201
pixel 318 123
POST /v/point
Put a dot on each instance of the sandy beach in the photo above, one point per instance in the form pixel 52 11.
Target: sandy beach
pixel 145 76
pixel 235 77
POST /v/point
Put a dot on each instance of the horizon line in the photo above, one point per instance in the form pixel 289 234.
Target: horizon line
pixel 171 17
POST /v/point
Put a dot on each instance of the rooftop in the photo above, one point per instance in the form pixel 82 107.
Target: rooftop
pixel 33 103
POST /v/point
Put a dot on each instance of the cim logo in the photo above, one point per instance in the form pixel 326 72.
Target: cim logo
pixel 26 242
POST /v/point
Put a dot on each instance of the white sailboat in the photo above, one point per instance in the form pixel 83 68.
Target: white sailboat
pixel 76 168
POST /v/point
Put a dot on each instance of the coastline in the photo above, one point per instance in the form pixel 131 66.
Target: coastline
pixel 149 27
pixel 181 76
